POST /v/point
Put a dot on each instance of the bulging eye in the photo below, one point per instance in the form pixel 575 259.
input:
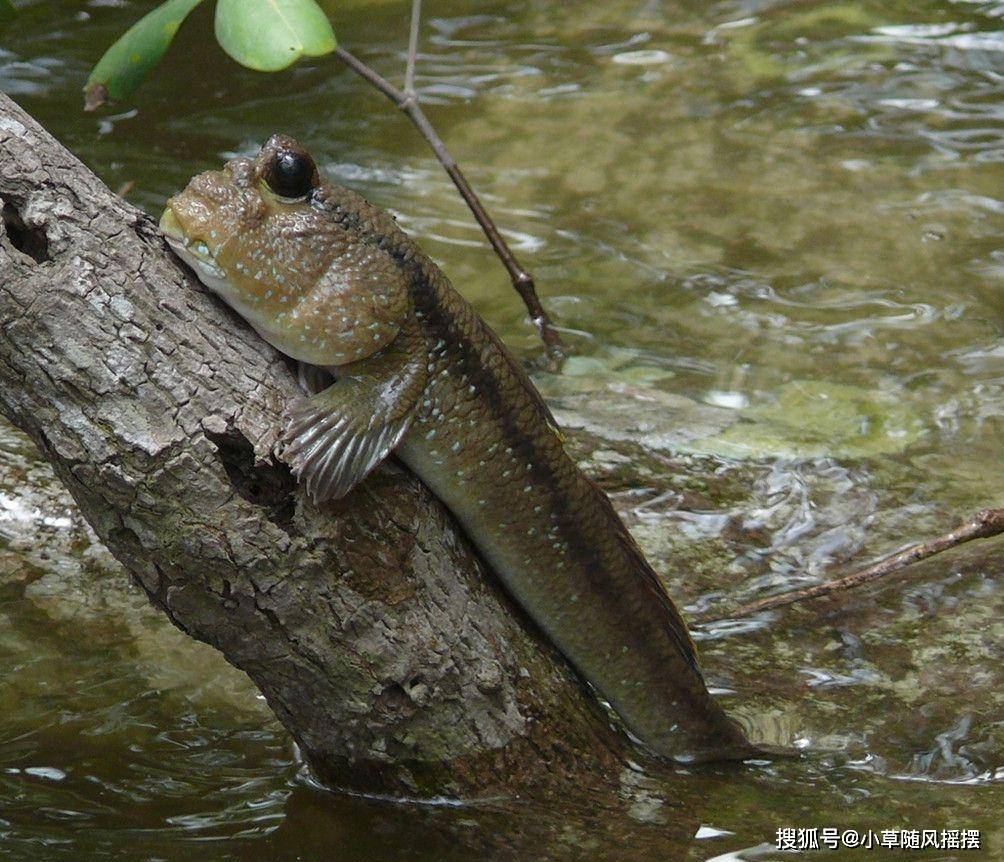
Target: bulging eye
pixel 291 174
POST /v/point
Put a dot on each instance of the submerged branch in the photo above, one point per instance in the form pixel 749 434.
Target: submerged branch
pixel 521 279
pixel 987 523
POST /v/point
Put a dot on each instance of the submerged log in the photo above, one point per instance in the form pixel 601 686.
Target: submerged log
pixel 392 658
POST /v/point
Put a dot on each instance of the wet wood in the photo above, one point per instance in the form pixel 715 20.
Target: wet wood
pixel 984 525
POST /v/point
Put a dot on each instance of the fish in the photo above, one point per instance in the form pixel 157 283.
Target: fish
pixel 331 281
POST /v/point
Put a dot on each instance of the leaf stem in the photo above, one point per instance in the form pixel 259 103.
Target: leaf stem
pixel 409 74
pixel 521 279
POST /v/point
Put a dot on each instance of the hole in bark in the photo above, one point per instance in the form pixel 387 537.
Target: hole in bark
pixel 270 486
pixel 28 240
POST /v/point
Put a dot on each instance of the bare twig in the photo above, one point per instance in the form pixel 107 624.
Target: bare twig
pixel 409 74
pixel 521 279
pixel 987 523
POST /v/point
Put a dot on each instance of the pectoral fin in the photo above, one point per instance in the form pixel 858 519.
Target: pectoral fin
pixel 311 378
pixel 336 437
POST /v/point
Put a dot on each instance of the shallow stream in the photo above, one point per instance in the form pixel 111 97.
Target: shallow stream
pixel 772 232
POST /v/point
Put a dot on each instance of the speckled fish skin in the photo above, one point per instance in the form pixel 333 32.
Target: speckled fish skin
pixel 368 301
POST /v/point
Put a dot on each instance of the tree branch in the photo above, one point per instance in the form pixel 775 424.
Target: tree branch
pixel 409 73
pixel 987 523
pixel 387 653
pixel 520 277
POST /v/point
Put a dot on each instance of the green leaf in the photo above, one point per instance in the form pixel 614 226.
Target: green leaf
pixel 269 35
pixel 7 10
pixel 126 64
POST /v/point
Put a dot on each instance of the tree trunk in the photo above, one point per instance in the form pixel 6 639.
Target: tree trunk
pixel 368 624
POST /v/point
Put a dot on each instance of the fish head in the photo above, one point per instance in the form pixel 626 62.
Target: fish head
pixel 264 235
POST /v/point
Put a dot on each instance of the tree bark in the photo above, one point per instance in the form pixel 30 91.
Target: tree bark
pixel 393 660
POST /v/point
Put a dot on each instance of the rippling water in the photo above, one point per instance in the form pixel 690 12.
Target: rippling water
pixel 772 231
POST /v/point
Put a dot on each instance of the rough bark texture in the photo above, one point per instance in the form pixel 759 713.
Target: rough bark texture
pixel 389 655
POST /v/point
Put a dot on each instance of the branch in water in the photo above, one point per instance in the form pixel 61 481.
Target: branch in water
pixel 408 103
pixel 987 523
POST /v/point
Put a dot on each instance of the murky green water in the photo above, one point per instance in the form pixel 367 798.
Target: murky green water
pixel 772 231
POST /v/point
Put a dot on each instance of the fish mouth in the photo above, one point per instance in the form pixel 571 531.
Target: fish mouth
pixel 192 250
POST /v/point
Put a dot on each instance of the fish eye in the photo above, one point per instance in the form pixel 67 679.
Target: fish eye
pixel 291 174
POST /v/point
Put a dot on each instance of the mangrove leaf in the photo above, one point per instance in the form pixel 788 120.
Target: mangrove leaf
pixel 268 35
pixel 129 60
